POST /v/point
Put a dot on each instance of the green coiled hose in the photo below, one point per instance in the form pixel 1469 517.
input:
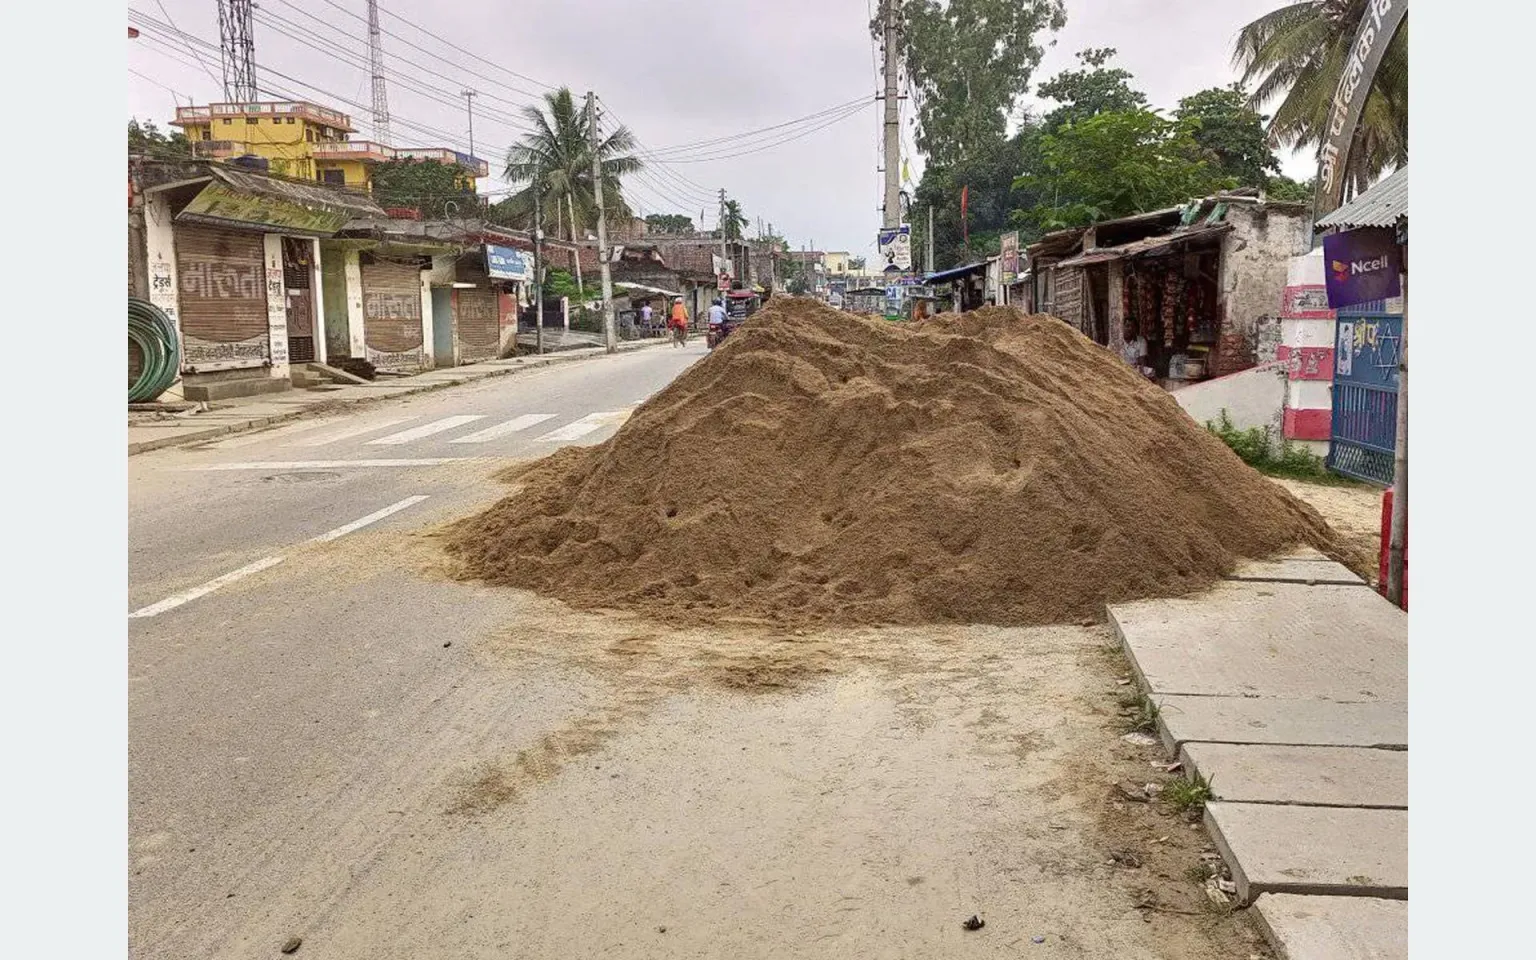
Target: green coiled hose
pixel 155 335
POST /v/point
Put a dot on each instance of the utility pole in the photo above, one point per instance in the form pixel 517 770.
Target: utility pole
pixel 723 255
pixel 469 101
pixel 892 209
pixel 930 238
pixel 376 72
pixel 1397 531
pixel 538 262
pixel 570 206
pixel 610 336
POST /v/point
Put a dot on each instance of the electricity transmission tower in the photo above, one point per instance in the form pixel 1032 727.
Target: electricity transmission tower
pixel 376 69
pixel 237 50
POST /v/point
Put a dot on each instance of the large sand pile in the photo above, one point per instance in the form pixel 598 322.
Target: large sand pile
pixel 826 468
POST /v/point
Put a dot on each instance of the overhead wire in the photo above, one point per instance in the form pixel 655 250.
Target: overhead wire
pixel 195 55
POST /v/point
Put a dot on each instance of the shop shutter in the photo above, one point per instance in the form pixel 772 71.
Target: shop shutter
pixel 478 324
pixel 223 302
pixel 392 312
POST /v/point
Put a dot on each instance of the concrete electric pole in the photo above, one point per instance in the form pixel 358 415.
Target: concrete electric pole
pixel 610 335
pixel 538 262
pixel 469 102
pixel 891 211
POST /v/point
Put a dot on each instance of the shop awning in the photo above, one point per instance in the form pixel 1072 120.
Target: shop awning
pixel 645 289
pixel 238 198
pixel 957 273
pixel 1151 246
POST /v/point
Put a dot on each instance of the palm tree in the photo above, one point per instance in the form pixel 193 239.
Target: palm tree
pixel 1300 51
pixel 734 220
pixel 556 160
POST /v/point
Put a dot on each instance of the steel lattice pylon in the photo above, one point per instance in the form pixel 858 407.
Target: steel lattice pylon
pixel 376 70
pixel 237 50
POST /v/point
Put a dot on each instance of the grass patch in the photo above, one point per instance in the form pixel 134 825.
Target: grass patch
pixel 1187 793
pixel 1198 873
pixel 1256 447
pixel 1144 719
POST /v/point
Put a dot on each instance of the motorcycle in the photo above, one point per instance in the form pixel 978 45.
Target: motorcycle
pixel 717 333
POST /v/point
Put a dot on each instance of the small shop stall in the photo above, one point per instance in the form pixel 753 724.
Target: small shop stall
pixel 741 304
pixel 1171 299
pixel 865 300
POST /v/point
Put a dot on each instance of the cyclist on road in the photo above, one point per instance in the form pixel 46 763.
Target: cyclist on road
pixel 679 322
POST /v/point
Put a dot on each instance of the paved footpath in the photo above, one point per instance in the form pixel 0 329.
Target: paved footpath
pixel 255 413
pixel 1287 688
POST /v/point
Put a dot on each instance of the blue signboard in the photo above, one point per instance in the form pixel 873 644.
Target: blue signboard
pixel 506 263
pixel 1363 265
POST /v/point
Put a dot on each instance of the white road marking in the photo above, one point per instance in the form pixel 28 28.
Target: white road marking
pixel 347 434
pixel 373 517
pixel 584 426
pixel 246 439
pixel 187 596
pixel 427 429
pixel 502 429
pixel 324 464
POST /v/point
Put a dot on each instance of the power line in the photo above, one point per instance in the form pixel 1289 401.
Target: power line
pixel 838 118
pixel 190 49
pixel 718 142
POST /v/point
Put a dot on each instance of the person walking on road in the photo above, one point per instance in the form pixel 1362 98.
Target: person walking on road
pixel 679 322
pixel 645 320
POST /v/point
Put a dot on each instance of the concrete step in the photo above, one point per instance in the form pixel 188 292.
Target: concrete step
pixel 1333 928
pixel 1322 851
pixel 230 389
pixel 1313 776
pixel 1182 719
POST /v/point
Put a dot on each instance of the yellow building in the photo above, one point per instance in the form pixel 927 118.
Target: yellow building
pixel 304 141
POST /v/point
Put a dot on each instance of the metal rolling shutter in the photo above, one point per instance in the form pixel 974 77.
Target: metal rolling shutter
pixel 298 260
pixel 478 325
pixel 223 301
pixel 392 312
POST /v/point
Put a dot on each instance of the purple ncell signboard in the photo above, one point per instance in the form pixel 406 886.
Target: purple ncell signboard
pixel 1362 265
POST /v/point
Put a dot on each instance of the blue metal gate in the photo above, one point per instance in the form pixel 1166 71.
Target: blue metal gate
pixel 1364 433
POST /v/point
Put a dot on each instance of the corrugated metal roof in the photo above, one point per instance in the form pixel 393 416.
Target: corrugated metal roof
pixel 1149 245
pixel 956 272
pixel 1381 206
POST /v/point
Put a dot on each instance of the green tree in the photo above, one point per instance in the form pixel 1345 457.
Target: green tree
pixel 970 61
pixel 1298 53
pixel 1114 165
pixel 1281 187
pixel 438 190
pixel 1088 92
pixel 556 160
pixel 669 223
pixel 856 264
pixel 1231 134
pixel 734 220
pixel 146 140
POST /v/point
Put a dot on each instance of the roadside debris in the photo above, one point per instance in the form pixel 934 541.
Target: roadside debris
pixel 975 923
pixel 1137 738
pixel 292 944
pixel 821 467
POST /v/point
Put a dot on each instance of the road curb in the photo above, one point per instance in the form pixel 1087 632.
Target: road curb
pixel 331 406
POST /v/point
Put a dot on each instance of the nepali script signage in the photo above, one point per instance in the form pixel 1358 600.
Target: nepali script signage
pixel 1377 27
pixel 896 248
pixel 1010 258
pixel 1362 265
pixel 505 263
pixel 219 205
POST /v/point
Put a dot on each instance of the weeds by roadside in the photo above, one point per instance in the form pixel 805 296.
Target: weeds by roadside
pixel 1140 713
pixel 1255 446
pixel 1187 794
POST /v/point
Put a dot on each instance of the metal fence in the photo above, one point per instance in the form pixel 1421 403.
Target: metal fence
pixel 1364 429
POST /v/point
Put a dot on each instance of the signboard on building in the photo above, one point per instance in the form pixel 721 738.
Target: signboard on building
pixel 723 265
pixel 724 281
pixel 896 248
pixel 1010 257
pixel 506 263
pixel 1378 26
pixel 1362 265
pixel 219 205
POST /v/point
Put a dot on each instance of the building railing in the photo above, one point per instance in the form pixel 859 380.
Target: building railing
pixel 309 111
pixel 475 165
pixel 345 149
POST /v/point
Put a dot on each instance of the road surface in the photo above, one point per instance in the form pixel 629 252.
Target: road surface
pixel 332 740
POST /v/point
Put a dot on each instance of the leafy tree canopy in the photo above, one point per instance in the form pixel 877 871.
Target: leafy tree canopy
pixel 970 61
pixel 1090 91
pixel 669 223
pixel 438 190
pixel 555 159
pixel 145 139
pixel 1231 134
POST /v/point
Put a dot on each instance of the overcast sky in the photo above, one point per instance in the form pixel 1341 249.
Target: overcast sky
pixel 675 71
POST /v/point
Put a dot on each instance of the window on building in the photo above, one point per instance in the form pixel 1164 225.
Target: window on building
pixel 228 121
pixel 335 178
pixel 289 119
pixel 252 120
pixel 309 136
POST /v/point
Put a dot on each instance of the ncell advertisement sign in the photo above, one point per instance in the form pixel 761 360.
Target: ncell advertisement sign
pixel 1362 265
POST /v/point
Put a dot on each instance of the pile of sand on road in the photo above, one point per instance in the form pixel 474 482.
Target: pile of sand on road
pixel 820 467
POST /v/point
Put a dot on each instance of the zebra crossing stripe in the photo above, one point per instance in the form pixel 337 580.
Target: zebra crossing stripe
pixel 427 429
pixel 587 424
pixel 350 432
pixel 502 429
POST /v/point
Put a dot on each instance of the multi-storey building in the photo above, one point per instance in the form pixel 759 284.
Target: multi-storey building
pixel 305 141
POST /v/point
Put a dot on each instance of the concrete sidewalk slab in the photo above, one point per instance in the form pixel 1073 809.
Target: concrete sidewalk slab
pixel 1281 640
pixel 1325 851
pixel 1305 722
pixel 1318 776
pixel 1333 928
pixel 1297 570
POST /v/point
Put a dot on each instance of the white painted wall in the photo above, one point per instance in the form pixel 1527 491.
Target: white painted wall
pixel 428 360
pixel 1252 398
pixel 354 275
pixel 277 307
pixel 1309 395
pixel 164 283
pixel 317 298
